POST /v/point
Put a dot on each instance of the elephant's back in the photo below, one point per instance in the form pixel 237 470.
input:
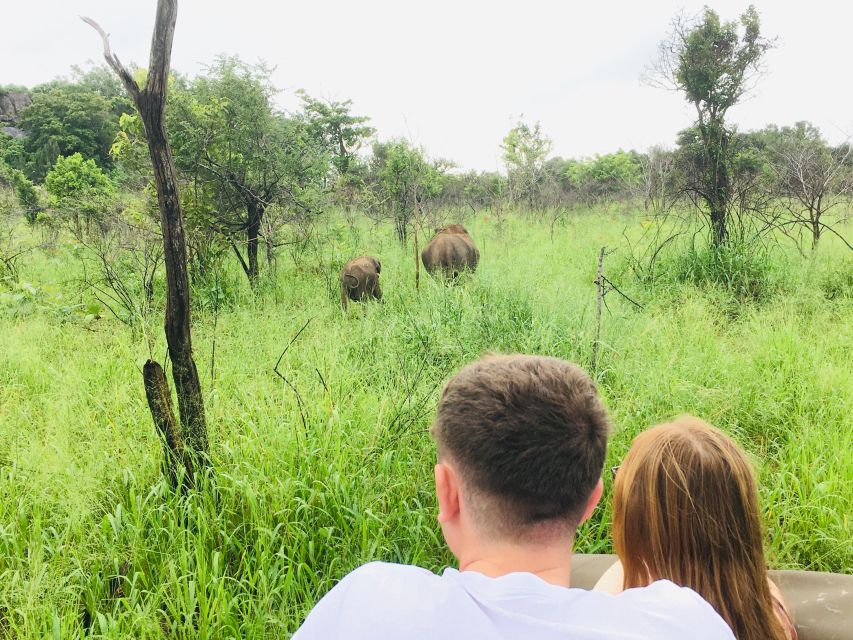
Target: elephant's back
pixel 450 250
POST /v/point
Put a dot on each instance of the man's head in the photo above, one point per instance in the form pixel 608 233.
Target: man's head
pixel 521 444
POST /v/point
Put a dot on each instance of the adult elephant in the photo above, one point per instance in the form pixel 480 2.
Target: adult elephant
pixel 360 280
pixel 450 251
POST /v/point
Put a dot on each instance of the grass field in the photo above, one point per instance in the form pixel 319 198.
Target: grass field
pixel 92 542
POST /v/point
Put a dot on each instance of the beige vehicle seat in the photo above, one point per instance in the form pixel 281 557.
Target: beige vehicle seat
pixel 821 603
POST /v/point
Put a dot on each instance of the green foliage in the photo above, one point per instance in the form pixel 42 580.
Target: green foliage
pixel 525 150
pixel 240 154
pixel 78 186
pixel 10 88
pixel 605 176
pixel 404 175
pixel 63 121
pixel 712 63
pixel 102 80
pixel 742 272
pixel 12 152
pixel 342 134
pixel 25 191
pixel 484 189
pixel 95 544
pixel 837 283
pixel 715 61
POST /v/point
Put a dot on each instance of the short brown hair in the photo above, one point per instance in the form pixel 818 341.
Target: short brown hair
pixel 529 435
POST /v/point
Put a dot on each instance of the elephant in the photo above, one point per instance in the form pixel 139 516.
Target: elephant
pixel 450 251
pixel 360 280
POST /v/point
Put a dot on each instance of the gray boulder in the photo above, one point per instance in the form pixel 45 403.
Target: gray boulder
pixel 11 105
pixel 14 132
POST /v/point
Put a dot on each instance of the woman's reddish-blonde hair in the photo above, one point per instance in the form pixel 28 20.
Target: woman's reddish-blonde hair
pixel 685 509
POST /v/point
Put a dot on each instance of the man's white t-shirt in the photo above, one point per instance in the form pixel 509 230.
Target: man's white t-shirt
pixel 381 600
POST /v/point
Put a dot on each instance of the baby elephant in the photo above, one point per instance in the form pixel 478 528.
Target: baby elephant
pixel 360 280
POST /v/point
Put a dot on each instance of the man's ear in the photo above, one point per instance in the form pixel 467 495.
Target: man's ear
pixel 592 502
pixel 447 492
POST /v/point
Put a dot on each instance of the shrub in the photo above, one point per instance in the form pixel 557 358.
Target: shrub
pixel 77 186
pixel 744 272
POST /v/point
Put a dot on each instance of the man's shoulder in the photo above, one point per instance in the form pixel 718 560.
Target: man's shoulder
pixel 381 584
pixel 382 573
pixel 376 600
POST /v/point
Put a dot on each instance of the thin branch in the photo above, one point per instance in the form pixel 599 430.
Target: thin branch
pixel 299 401
pixel 113 61
pixel 621 293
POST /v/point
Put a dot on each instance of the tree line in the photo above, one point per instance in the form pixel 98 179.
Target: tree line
pixel 256 178
pixel 153 171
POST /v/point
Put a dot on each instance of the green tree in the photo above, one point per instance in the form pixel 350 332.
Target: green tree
pixel 76 187
pixel 101 80
pixel 234 145
pixel 12 152
pixel 605 177
pixel 62 122
pixel 404 179
pixel 525 151
pixel 713 64
pixel 342 134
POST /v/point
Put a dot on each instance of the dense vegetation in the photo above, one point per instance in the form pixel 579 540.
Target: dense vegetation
pixel 91 528
pixel 730 295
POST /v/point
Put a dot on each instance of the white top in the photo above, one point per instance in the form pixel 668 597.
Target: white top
pixel 381 600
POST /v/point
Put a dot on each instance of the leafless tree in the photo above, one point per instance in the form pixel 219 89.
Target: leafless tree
pixel 119 266
pixel 11 249
pixel 657 167
pixel 813 179
pixel 188 445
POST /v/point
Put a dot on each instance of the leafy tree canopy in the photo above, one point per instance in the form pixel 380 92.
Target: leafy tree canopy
pixel 62 122
pixel 525 150
pixel 342 134
pixel 715 62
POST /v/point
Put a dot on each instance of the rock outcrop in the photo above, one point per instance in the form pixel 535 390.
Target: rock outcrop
pixel 11 105
pixel 14 132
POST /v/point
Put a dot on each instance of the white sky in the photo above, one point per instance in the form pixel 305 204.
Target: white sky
pixel 454 75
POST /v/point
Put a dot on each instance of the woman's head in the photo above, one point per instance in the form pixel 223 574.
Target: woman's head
pixel 685 509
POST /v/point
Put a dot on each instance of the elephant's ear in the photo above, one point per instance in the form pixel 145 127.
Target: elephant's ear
pixel 378 265
pixel 350 281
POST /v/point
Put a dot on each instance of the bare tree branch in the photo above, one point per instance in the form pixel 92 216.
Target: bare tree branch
pixel 112 60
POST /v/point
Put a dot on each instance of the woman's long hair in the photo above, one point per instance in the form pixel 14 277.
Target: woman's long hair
pixel 685 509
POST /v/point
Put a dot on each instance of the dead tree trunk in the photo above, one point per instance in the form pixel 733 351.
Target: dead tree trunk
pixel 255 213
pixel 160 404
pixel 150 101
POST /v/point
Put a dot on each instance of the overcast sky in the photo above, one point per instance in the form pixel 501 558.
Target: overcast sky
pixel 455 75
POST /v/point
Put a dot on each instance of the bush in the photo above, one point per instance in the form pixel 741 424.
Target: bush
pixel 77 186
pixel 837 283
pixel 25 191
pixel 743 272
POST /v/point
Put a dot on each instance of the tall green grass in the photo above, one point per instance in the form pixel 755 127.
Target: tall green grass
pixel 93 544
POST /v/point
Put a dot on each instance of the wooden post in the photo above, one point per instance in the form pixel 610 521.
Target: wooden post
pixel 150 102
pixel 599 298
pixel 417 247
